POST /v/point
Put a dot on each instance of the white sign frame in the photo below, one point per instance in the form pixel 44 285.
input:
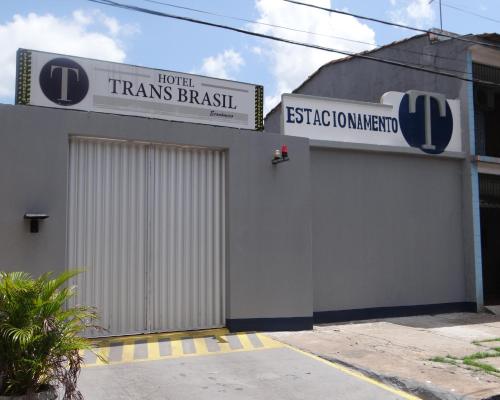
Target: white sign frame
pixel 387 110
pixel 138 91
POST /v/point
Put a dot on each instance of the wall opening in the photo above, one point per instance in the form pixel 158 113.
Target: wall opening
pixel 489 191
pixel 487 111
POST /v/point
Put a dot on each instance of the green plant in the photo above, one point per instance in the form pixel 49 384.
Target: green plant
pixel 39 342
pixel 447 360
pixel 472 359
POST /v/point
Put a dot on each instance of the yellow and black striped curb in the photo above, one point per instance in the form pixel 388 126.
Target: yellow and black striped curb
pixel 174 345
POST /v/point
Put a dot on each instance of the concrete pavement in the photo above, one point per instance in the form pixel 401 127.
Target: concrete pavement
pixel 399 351
pixel 272 371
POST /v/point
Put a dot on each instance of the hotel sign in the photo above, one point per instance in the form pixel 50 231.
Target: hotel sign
pixel 427 121
pixel 58 81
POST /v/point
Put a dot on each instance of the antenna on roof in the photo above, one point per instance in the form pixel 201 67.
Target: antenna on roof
pixel 440 13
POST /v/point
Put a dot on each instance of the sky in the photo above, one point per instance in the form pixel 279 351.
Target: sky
pixel 84 28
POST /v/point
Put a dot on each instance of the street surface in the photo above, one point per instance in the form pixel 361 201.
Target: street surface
pixel 424 354
pixel 219 365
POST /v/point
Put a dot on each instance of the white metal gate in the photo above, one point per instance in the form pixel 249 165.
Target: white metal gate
pixel 147 222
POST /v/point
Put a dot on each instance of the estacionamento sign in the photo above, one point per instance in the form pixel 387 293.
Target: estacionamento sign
pixel 427 121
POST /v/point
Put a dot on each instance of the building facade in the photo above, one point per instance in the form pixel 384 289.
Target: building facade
pixel 422 231
pixel 181 225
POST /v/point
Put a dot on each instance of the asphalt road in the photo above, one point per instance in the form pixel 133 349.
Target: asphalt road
pixel 270 372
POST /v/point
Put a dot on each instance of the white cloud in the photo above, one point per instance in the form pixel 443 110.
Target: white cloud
pixel 222 65
pixel 420 10
pixel 271 101
pixel 115 28
pixel 291 64
pixel 256 50
pixel 77 35
pixel 415 12
pixel 81 17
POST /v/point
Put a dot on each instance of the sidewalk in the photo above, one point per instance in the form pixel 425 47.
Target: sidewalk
pixel 399 351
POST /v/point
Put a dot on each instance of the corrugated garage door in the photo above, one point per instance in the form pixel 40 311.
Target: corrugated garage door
pixel 147 221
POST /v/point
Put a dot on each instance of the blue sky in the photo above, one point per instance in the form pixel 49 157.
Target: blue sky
pixel 80 27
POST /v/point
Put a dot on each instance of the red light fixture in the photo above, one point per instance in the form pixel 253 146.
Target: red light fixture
pixel 284 151
pixel 280 156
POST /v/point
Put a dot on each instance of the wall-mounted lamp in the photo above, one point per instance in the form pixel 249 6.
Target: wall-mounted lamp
pixel 280 156
pixel 34 219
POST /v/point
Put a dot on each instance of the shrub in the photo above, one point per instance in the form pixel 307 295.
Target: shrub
pixel 39 342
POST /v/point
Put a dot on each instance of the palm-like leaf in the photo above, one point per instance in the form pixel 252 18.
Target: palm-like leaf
pixel 39 342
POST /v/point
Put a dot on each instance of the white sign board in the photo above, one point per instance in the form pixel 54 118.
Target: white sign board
pixel 427 121
pixel 52 80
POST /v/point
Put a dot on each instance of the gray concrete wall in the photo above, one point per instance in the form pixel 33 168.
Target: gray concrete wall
pixel 366 80
pixel 269 223
pixel 387 230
